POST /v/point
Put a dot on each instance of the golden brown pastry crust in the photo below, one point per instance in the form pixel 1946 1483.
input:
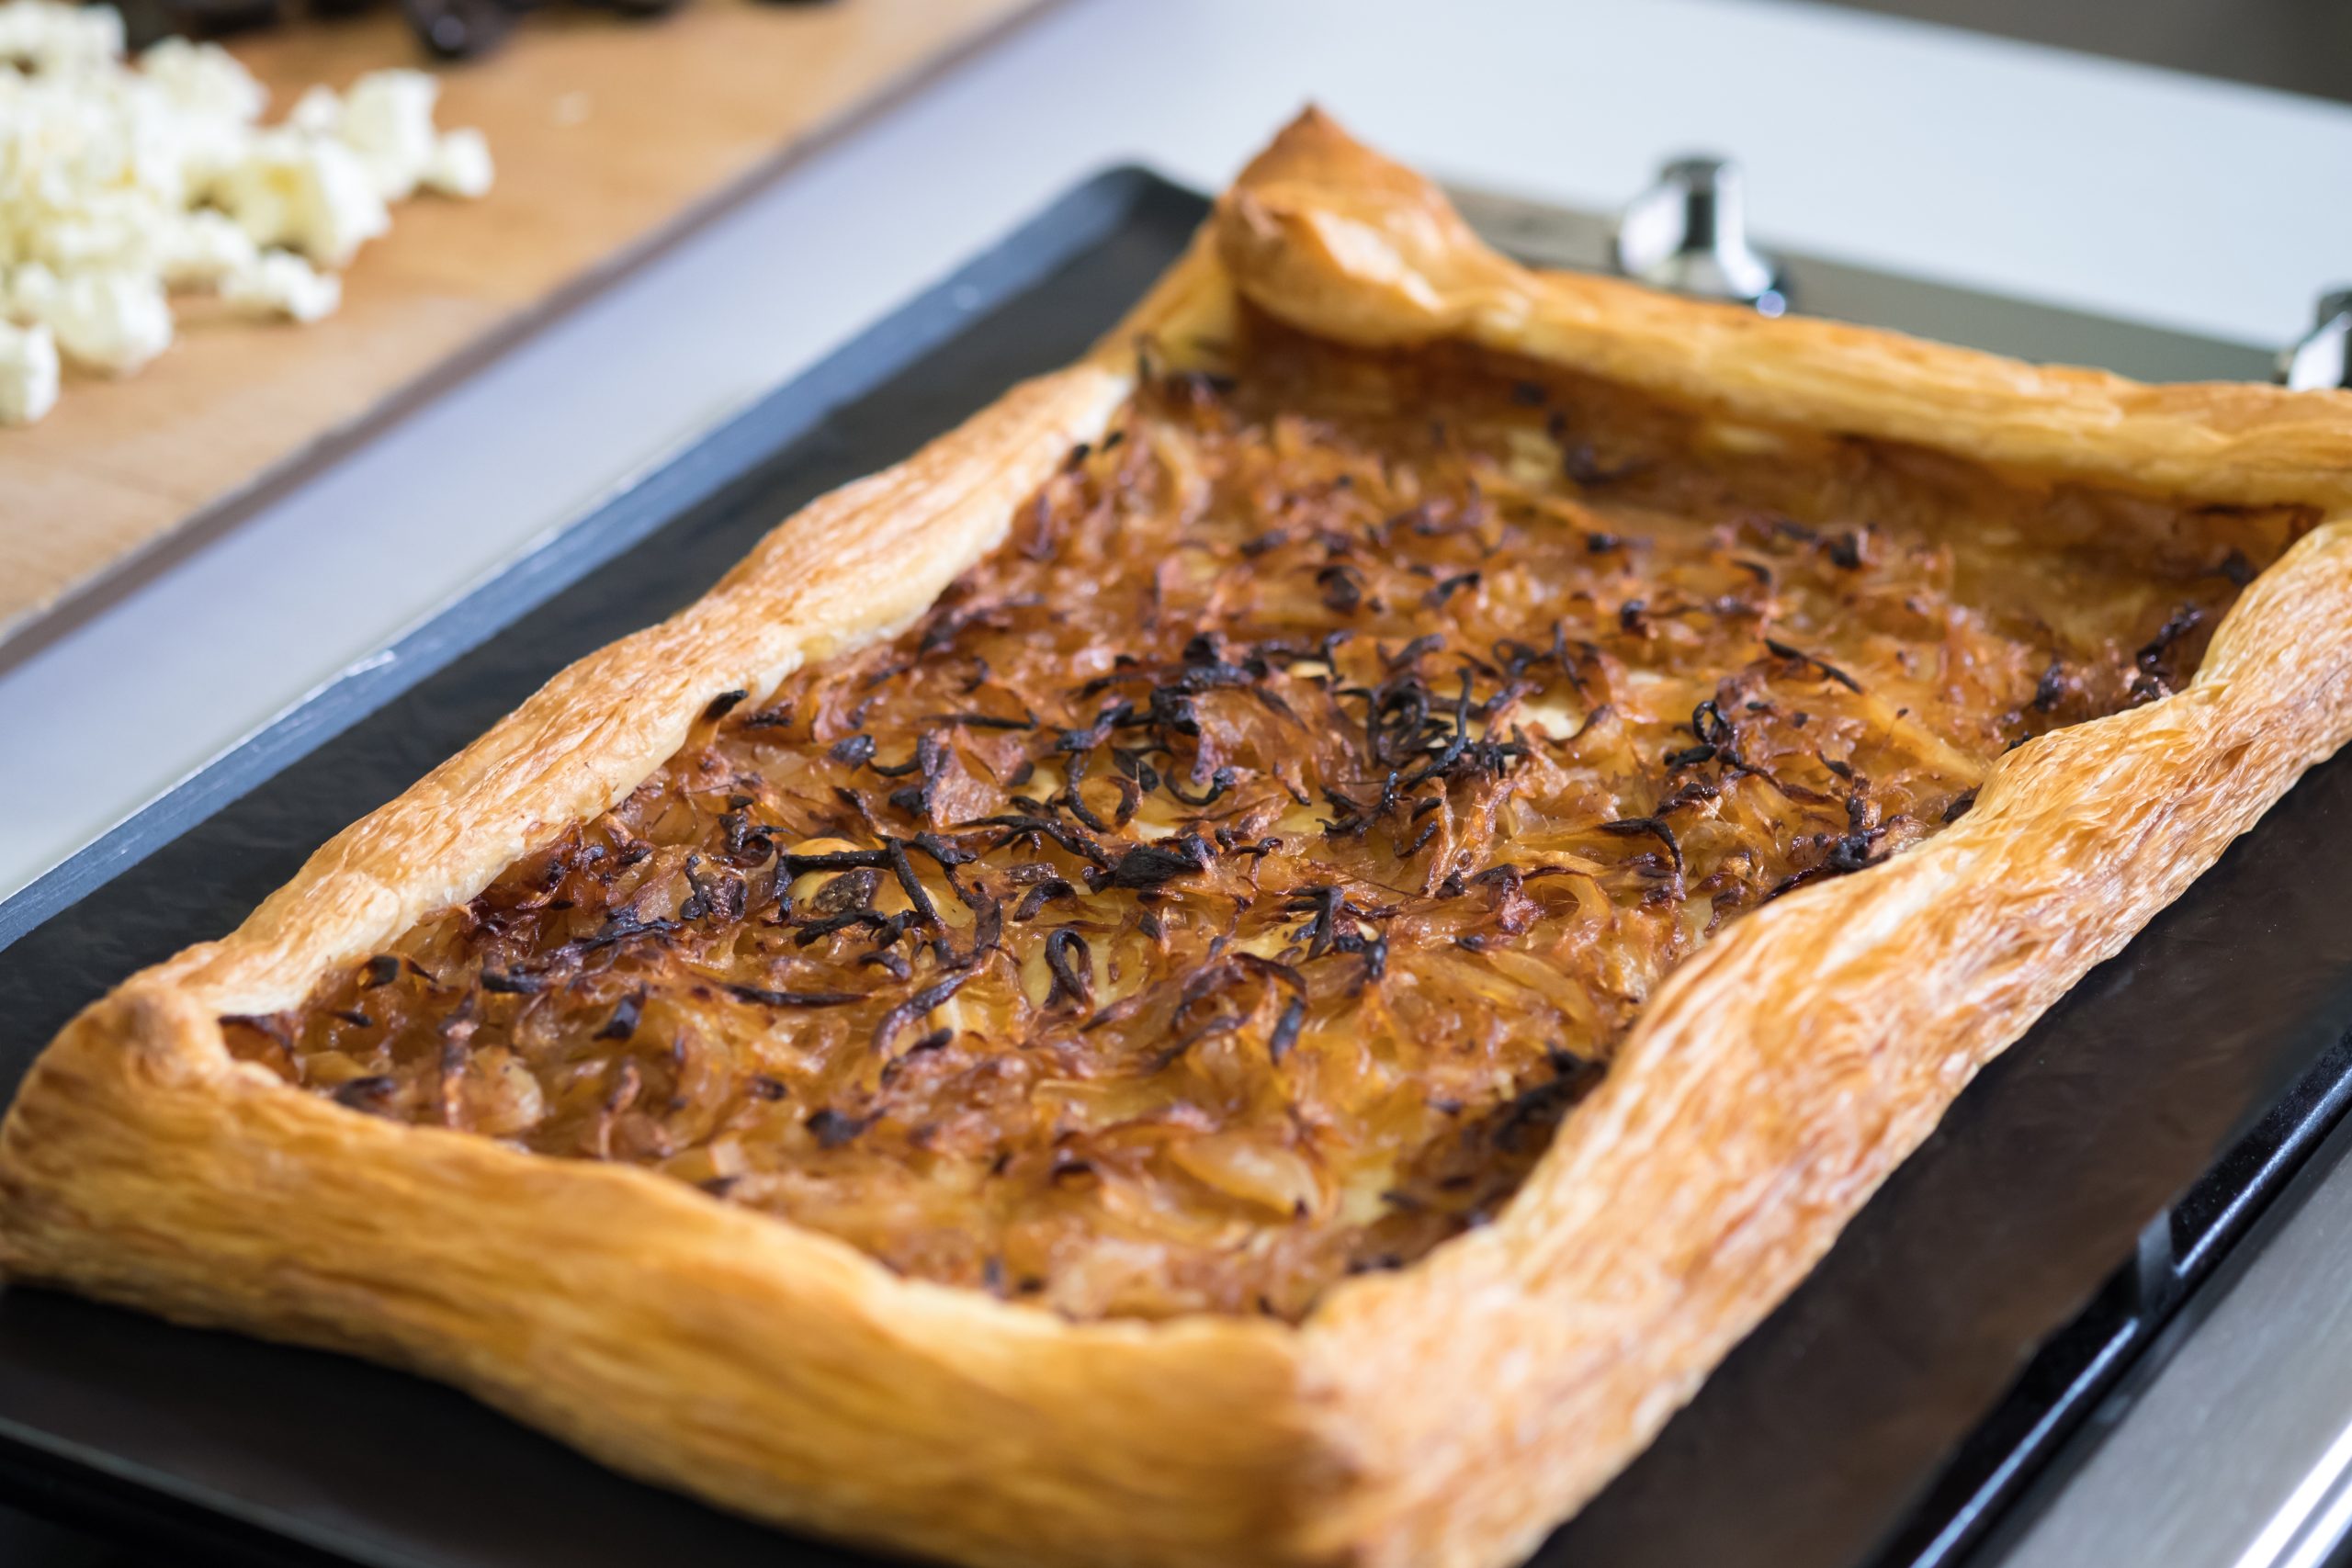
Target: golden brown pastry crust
pixel 1445 1415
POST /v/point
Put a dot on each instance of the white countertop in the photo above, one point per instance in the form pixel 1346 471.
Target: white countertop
pixel 2125 190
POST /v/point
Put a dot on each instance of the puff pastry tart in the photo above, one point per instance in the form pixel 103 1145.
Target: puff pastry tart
pixel 1263 955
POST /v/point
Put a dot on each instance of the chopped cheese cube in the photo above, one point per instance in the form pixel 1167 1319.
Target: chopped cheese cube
pixel 28 373
pixel 203 248
pixel 203 80
pixel 387 122
pixel 318 111
pixel 111 320
pixel 460 166
pixel 41 36
pixel 278 283
pixel 307 192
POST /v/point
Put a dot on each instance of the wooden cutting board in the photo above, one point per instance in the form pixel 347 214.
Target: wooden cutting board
pixel 605 134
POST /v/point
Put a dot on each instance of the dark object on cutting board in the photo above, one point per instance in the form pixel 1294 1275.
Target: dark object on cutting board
pixel 449 29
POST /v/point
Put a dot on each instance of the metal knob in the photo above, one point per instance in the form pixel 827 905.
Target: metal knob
pixel 2323 357
pixel 1688 234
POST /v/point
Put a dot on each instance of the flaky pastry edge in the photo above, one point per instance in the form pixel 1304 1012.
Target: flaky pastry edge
pixel 1445 1415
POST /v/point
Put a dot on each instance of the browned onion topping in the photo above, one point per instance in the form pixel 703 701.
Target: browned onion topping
pixel 1230 884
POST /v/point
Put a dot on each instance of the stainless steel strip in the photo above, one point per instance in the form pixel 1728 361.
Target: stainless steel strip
pixel 2234 1451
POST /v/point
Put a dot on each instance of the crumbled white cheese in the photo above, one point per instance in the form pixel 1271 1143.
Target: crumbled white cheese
pixel 22 287
pixel 460 164
pixel 107 320
pixel 205 247
pixel 60 37
pixel 279 283
pixel 318 111
pixel 387 121
pixel 310 193
pixel 28 373
pixel 203 80
pixel 118 183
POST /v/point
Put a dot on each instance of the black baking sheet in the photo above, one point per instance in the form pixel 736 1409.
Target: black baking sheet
pixel 1890 1405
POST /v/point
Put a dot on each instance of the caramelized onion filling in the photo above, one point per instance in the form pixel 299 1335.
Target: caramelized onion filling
pixel 1231 883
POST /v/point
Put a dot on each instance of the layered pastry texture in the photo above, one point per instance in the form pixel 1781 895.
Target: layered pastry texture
pixel 1231 883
